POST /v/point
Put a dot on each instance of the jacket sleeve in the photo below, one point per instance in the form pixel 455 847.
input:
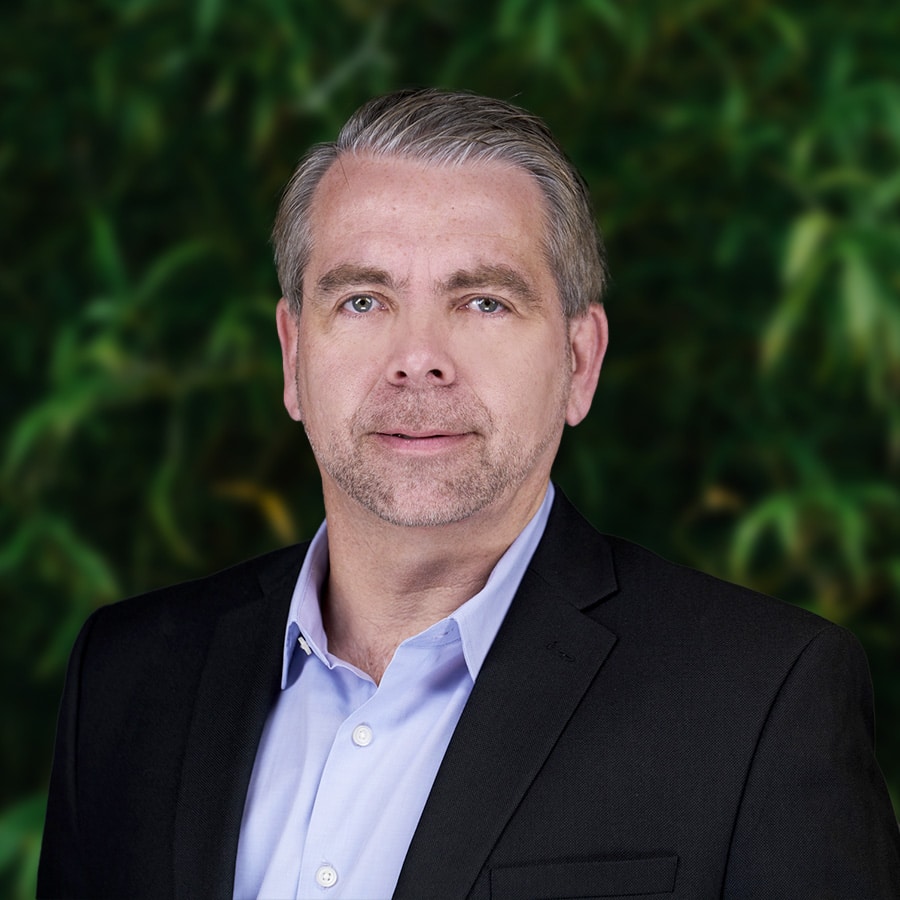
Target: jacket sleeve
pixel 62 872
pixel 815 819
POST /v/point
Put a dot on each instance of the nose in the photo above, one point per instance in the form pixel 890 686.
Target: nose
pixel 420 353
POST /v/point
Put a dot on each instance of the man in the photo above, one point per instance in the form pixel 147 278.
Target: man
pixel 459 689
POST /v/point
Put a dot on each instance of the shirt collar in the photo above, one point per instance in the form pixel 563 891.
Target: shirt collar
pixel 477 620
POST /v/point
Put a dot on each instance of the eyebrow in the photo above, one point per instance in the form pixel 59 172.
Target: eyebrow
pixel 487 276
pixel 347 275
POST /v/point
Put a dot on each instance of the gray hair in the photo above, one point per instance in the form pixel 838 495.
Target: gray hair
pixel 451 128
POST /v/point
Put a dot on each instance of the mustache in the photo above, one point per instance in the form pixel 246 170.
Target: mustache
pixel 422 411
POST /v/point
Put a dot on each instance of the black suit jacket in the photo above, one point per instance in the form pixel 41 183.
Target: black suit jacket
pixel 638 729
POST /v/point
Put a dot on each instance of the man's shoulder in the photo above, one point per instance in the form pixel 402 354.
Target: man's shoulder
pixel 692 589
pixel 199 602
pixel 634 590
pixel 675 630
pixel 676 602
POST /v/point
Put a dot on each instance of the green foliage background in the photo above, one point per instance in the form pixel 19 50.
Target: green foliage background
pixel 744 162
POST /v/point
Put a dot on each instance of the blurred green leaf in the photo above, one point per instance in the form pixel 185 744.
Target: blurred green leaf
pixel 20 844
pixel 861 300
pixel 804 244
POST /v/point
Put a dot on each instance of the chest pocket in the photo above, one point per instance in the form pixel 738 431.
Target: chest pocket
pixel 584 879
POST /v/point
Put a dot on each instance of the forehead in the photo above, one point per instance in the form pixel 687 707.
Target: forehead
pixel 366 200
pixel 404 175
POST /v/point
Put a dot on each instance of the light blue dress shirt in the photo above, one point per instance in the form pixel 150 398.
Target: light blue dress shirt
pixel 344 766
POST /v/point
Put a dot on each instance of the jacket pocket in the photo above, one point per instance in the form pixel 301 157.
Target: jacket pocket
pixel 585 879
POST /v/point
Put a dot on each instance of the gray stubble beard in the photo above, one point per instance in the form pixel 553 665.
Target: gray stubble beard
pixel 419 494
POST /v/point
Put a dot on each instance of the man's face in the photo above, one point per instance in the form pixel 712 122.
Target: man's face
pixel 431 364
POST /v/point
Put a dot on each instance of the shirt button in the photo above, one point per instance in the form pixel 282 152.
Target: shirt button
pixel 326 876
pixel 362 735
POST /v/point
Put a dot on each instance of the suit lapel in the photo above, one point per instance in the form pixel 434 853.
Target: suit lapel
pixel 545 656
pixel 240 680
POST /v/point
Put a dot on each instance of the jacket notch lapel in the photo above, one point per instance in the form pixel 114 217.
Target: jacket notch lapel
pixel 545 656
pixel 239 683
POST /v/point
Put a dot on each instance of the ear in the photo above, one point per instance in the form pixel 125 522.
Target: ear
pixel 288 334
pixel 588 337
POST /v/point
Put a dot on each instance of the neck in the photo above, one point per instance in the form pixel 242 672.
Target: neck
pixel 388 582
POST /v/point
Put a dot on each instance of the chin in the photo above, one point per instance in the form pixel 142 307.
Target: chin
pixel 422 505
pixel 425 511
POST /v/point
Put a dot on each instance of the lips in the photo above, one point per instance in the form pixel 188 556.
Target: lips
pixel 422 441
pixel 407 436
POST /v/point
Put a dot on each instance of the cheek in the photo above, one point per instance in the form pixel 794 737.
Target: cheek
pixel 525 398
pixel 522 384
pixel 331 387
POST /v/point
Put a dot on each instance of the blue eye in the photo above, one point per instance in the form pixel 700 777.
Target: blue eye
pixel 361 303
pixel 486 305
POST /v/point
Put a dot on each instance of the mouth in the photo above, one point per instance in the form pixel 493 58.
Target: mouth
pixel 422 441
pixel 404 436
